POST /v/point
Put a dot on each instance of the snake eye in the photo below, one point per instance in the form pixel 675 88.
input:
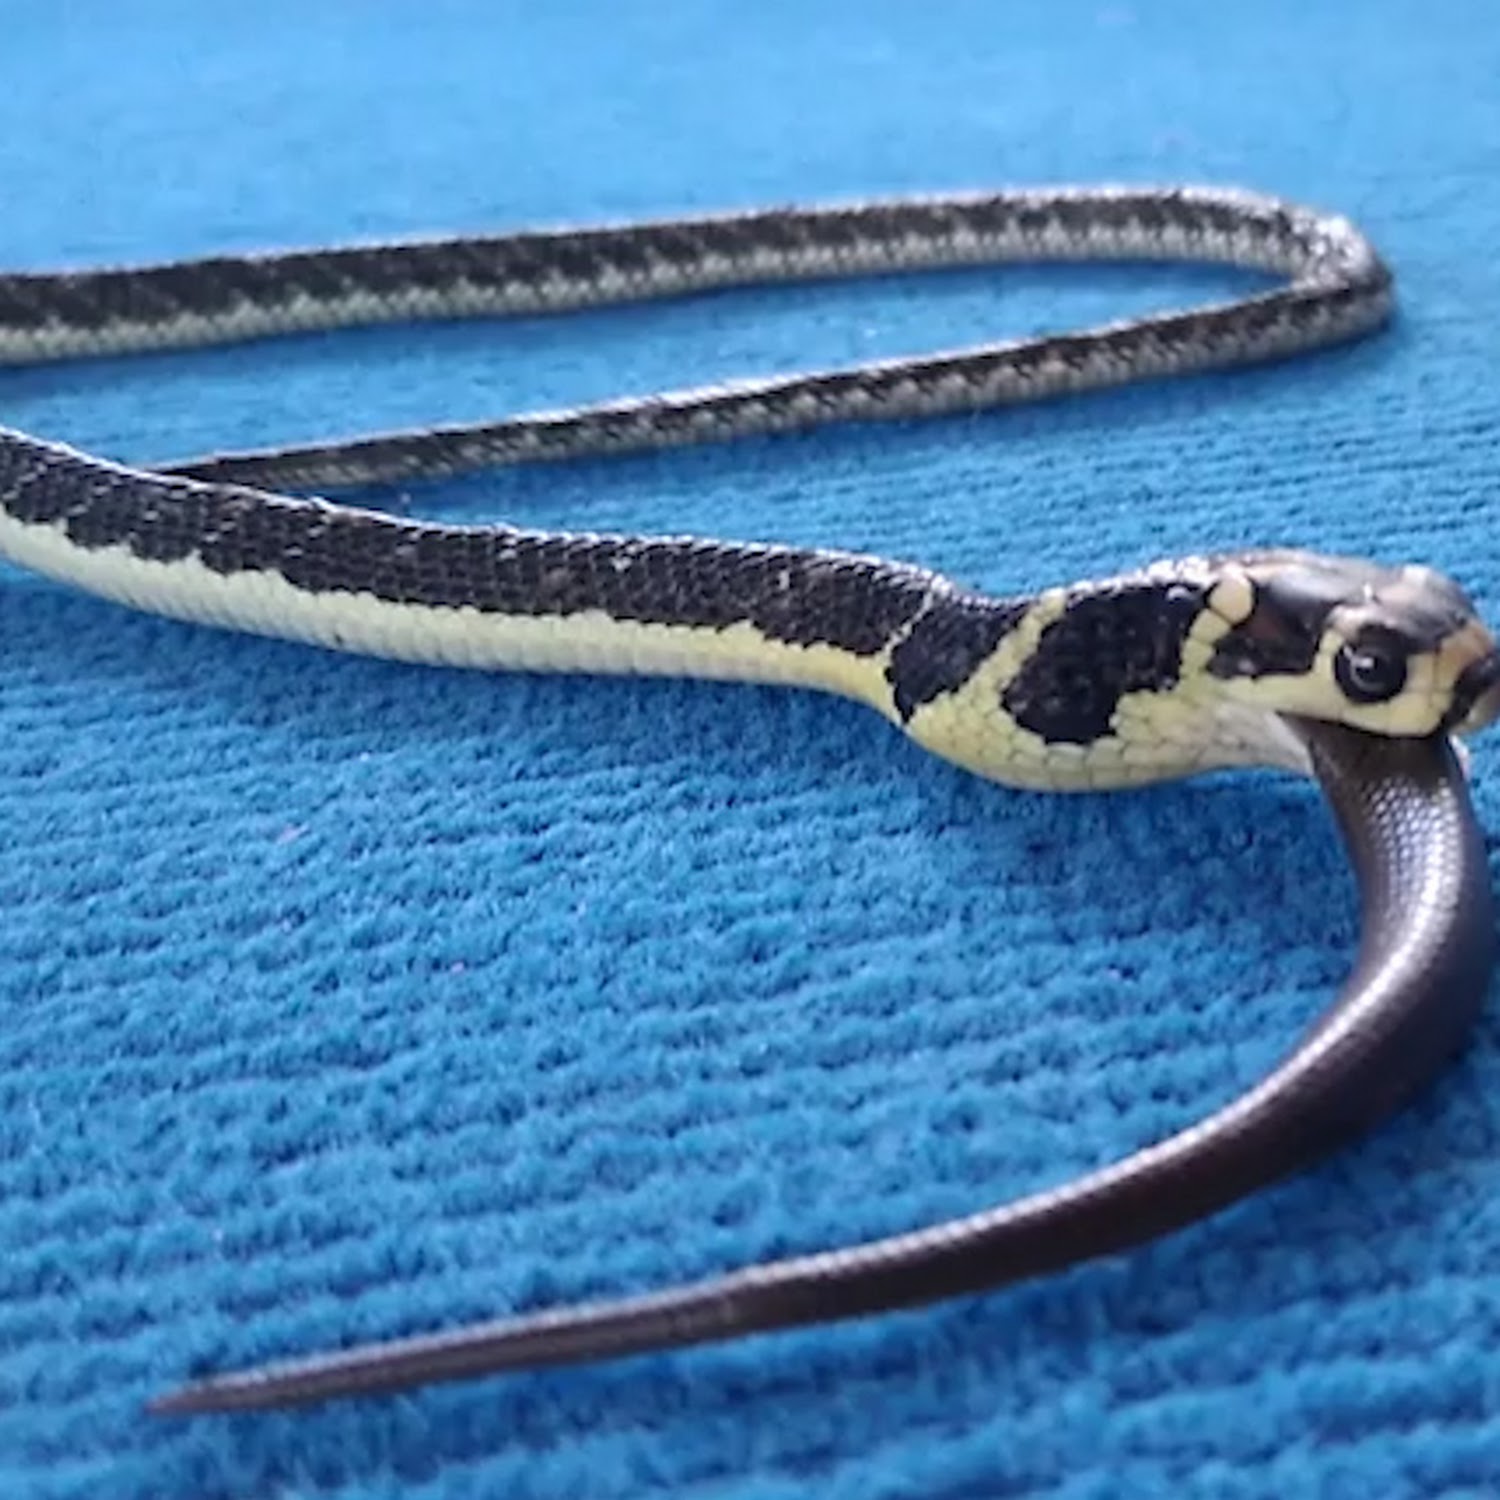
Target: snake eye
pixel 1371 669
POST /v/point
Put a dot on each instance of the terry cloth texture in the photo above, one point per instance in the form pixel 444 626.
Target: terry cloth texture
pixel 344 1000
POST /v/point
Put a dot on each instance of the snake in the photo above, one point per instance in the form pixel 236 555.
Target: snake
pixel 1360 675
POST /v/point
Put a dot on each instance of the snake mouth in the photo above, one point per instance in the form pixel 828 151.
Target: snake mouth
pixel 1476 696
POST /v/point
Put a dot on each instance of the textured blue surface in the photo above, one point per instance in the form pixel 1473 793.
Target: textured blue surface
pixel 343 1000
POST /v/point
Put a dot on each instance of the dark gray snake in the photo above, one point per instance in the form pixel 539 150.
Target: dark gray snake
pixel 1354 673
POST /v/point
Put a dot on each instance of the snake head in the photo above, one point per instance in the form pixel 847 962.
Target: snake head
pixel 1392 651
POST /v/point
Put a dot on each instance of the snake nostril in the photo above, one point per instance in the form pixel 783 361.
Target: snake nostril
pixel 1476 694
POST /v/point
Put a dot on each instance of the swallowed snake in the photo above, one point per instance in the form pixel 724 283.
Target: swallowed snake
pixel 1357 674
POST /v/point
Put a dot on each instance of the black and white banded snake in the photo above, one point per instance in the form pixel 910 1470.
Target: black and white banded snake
pixel 1357 674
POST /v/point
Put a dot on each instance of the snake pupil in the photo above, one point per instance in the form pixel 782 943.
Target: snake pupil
pixel 1370 671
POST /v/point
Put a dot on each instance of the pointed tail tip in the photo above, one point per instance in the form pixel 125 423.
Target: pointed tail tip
pixel 181 1402
pixel 207 1396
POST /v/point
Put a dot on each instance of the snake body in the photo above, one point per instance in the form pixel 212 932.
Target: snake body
pixel 1355 673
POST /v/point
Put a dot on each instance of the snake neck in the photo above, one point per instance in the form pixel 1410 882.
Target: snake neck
pixel 1099 685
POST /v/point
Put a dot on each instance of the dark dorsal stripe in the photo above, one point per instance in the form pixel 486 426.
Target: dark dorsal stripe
pixel 1126 637
pixel 800 597
pixel 946 646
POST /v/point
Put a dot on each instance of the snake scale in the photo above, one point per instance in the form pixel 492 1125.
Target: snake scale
pixel 1355 673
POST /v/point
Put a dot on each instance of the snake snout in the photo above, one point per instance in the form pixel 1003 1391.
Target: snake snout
pixel 1476 695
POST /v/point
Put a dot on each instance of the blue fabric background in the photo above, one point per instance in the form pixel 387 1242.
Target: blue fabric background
pixel 342 999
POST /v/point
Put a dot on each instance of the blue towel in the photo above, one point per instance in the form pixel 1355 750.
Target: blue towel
pixel 343 1000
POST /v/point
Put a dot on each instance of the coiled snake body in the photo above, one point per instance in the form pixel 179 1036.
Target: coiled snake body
pixel 1355 673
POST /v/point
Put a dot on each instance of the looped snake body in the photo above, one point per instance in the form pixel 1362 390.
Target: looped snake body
pixel 1354 673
